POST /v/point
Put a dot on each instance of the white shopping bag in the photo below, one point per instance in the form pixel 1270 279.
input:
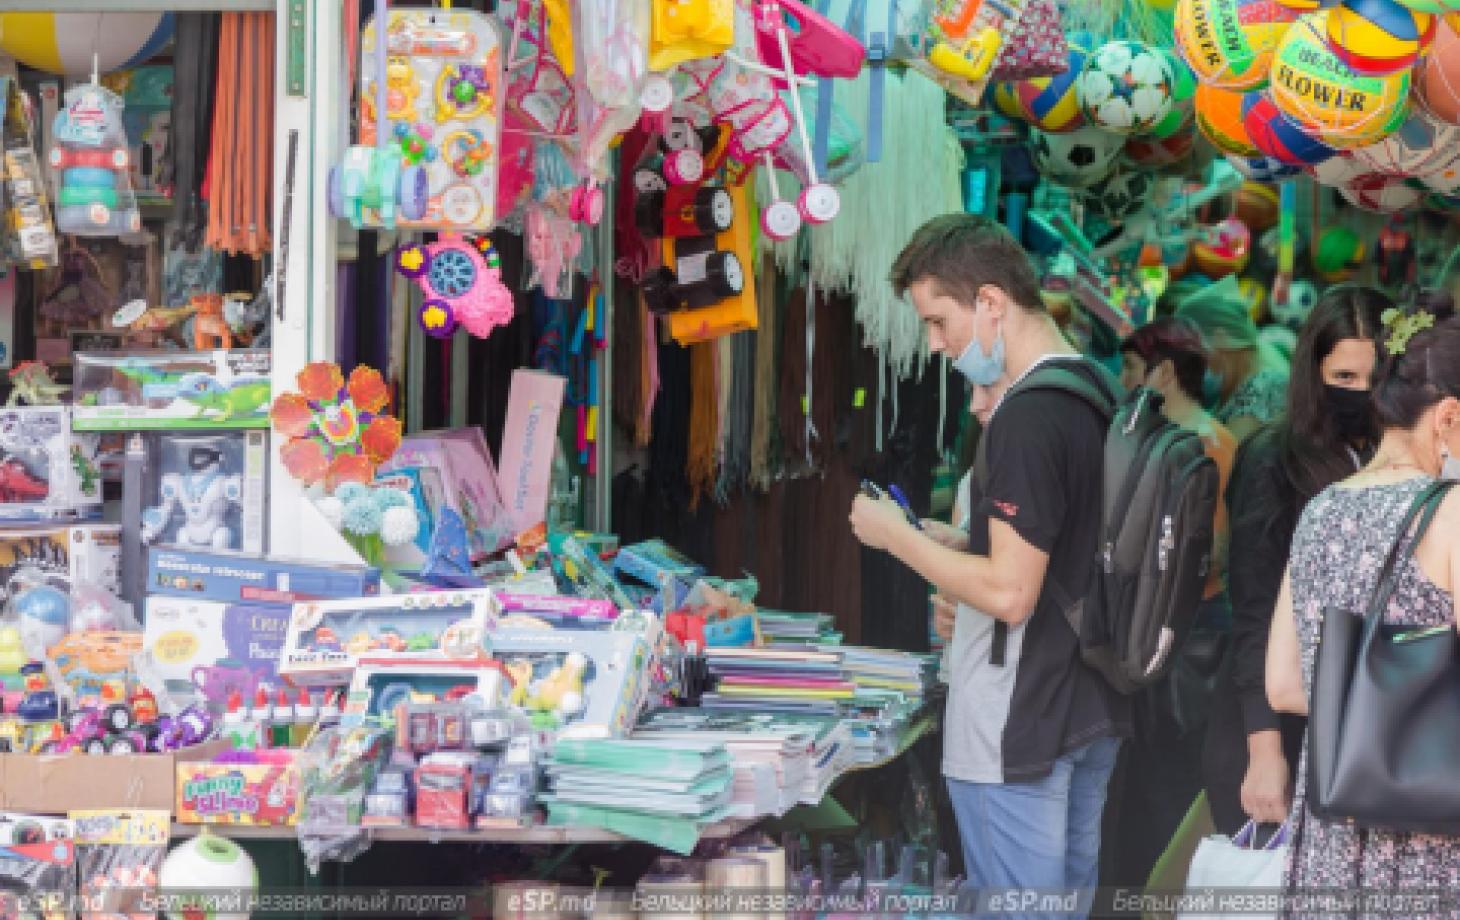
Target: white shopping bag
pixel 1223 867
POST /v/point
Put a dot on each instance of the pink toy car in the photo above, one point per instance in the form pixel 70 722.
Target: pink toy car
pixel 462 280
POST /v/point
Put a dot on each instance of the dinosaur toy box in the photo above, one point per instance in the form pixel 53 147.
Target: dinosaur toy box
pixel 46 471
pixel 60 556
pixel 233 578
pixel 202 650
pixel 328 638
pixel 169 390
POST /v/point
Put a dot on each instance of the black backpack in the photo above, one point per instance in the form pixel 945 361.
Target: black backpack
pixel 1158 496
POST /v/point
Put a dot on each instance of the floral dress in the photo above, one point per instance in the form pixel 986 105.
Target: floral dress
pixel 1341 543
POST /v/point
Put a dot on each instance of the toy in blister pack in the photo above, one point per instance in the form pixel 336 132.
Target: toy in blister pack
pixel 442 95
pixel 27 233
pixel 967 38
pixel 38 877
pixel 611 45
pixel 118 857
pixel 46 472
pixel 199 493
pixel 687 30
pixel 461 278
pixel 90 159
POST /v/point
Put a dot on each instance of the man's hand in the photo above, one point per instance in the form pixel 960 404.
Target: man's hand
pixel 945 615
pixel 1266 795
pixel 946 535
pixel 875 522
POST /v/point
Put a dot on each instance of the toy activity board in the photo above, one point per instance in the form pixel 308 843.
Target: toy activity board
pixel 443 100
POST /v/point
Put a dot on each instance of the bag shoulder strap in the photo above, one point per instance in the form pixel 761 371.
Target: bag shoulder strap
pixel 1086 381
pixel 1424 508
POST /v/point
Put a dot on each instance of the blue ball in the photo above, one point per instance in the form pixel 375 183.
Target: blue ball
pixel 44 604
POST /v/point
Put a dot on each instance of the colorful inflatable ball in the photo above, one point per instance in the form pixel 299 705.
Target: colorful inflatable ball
pixel 1052 103
pixel 1223 250
pixel 1078 159
pixel 1338 170
pixel 1219 118
pixel 1183 93
pixel 1438 76
pixel 1420 144
pixel 1378 37
pixel 1326 97
pixel 1230 43
pixel 1381 194
pixel 1126 87
pixel 1278 136
pixel 1006 101
pixel 1338 254
pixel 1159 153
pixel 1255 293
pixel 1262 169
pixel 1438 7
pixel 63 43
pixel 1443 176
pixel 1257 206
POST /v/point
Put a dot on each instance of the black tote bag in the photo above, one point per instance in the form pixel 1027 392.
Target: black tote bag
pixel 1384 724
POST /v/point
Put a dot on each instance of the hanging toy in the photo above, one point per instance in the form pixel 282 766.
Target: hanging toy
pixel 90 161
pixel 463 92
pixel 376 179
pixel 462 280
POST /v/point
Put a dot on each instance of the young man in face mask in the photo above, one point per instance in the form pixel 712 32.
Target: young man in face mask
pixel 1031 733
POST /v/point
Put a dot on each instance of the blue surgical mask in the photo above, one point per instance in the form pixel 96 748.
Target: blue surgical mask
pixel 1211 389
pixel 982 369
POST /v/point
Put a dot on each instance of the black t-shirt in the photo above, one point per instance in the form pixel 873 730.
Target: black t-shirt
pixel 1045 450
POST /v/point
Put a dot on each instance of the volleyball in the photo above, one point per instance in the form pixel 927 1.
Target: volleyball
pixel 1262 169
pixel 1384 194
pixel 1420 144
pixel 1326 97
pixel 1126 87
pixel 1230 43
pixel 1438 80
pixel 63 43
pixel 1377 37
pixel 1278 136
pixel 1006 101
pixel 1337 170
pixel 1443 175
pixel 1219 117
pixel 1439 7
pixel 1052 103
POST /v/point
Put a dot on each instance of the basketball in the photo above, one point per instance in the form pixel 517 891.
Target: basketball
pixel 1326 97
pixel 1378 37
pixel 1230 43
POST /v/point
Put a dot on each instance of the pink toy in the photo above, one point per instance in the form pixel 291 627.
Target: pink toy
pixel 462 280
pixel 816 44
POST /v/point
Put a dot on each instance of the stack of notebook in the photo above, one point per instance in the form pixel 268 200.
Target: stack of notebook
pixel 874 669
pixel 781 679
pixel 662 790
pixel 777 627
pixel 772 755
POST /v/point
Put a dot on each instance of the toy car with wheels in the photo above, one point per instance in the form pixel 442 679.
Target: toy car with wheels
pixel 702 276
pixel 461 278
pixel 684 211
pixel 85 731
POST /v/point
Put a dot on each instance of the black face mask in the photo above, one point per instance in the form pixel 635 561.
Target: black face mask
pixel 1352 411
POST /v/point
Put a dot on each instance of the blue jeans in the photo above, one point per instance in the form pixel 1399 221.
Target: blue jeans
pixel 1042 836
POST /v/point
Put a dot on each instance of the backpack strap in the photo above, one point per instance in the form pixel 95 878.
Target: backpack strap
pixel 1091 384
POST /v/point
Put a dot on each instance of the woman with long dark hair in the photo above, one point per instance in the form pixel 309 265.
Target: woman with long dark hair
pixel 1334 568
pixel 1324 436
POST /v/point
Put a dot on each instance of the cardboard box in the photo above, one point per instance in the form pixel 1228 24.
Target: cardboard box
pixel 201 650
pixel 453 470
pixel 54 784
pixel 253 794
pixel 172 390
pixel 232 578
pixel 61 555
pixel 529 438
pixel 46 471
pixel 222 506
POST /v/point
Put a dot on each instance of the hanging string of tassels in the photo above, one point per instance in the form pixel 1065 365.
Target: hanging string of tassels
pixel 240 161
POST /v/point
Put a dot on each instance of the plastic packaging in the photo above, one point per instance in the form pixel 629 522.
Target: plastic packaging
pixel 90 161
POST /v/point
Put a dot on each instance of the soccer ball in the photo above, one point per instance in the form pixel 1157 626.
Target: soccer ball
pixel 1126 87
pixel 1302 298
pixel 1337 171
pixel 1384 194
pixel 1119 195
pixel 1078 159
pixel 1420 146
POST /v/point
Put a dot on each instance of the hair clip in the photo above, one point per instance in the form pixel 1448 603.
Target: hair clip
pixel 1403 327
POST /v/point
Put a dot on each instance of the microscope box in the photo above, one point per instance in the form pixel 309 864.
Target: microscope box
pixel 233 578
pixel 46 472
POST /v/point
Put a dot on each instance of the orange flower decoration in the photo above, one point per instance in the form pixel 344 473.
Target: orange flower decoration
pixel 334 430
pixel 381 438
pixel 368 390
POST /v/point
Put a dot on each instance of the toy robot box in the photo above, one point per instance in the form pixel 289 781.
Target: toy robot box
pixel 46 471
pixel 206 491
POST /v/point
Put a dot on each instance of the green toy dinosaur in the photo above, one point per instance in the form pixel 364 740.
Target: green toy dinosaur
pixel 86 471
pixel 240 399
